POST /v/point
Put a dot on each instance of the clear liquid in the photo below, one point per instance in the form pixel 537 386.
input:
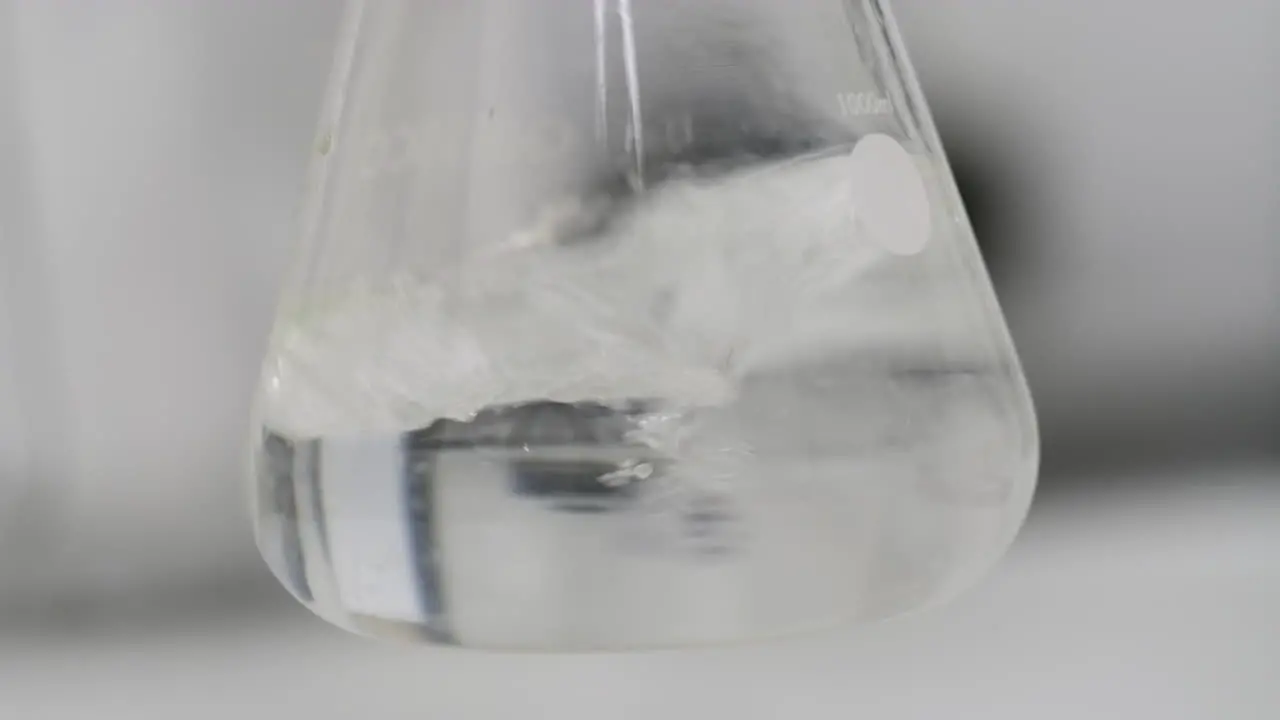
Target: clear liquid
pixel 550 526
pixel 667 436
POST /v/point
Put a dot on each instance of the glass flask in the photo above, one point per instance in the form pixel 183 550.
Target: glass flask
pixel 624 324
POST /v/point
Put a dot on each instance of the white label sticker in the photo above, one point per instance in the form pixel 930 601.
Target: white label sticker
pixel 889 197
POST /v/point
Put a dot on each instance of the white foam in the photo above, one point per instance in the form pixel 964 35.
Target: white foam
pixel 667 306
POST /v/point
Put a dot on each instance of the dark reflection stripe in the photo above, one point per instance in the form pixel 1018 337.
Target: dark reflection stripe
pixel 311 470
pixel 420 502
pixel 280 463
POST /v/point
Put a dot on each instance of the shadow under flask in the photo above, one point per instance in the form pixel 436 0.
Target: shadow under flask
pixel 625 324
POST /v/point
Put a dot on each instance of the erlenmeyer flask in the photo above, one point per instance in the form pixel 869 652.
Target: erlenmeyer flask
pixel 633 323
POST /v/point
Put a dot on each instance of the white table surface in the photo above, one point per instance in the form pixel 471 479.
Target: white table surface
pixel 1156 600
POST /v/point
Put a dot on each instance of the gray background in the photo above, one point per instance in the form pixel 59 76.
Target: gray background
pixel 1120 161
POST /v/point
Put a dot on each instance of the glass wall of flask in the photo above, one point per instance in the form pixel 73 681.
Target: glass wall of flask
pixel 633 324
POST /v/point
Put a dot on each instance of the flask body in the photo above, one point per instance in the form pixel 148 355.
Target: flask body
pixel 633 324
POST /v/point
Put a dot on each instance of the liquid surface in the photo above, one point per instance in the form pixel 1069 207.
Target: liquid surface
pixel 718 412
